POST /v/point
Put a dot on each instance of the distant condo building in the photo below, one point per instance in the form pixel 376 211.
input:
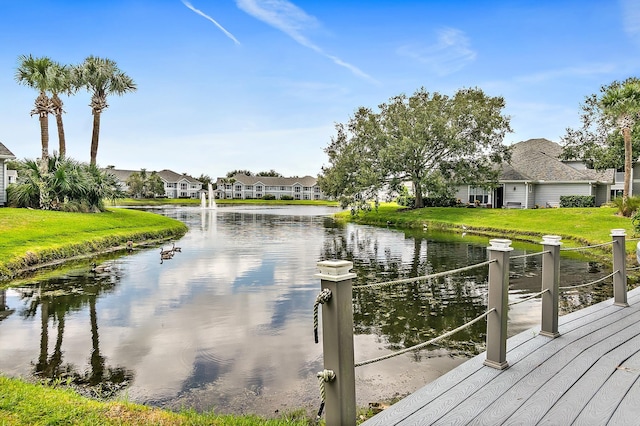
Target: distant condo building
pixel 241 186
pixel 175 184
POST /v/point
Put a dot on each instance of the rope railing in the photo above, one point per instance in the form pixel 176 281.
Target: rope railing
pixel 586 247
pixel 526 299
pixel 522 256
pixel 589 283
pixel 424 277
pixel 427 343
pixel 635 268
pixel 337 381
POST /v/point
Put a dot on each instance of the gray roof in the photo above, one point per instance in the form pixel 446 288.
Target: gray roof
pixel 166 175
pixel 538 160
pixel 5 153
pixel 274 181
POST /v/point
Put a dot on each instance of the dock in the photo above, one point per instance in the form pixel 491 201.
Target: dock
pixel 588 375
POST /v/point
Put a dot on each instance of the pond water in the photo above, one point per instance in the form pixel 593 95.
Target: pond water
pixel 226 324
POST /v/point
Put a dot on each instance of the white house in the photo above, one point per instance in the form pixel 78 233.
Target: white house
pixel 5 154
pixel 243 187
pixel 175 185
pixel 536 176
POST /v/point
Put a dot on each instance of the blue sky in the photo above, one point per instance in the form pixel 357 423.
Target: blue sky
pixel 260 84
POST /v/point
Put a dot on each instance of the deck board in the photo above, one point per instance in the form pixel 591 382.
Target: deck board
pixel 588 375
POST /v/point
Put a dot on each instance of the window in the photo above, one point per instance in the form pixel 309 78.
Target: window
pixel 172 185
pixel 306 188
pixel 297 189
pixel 258 187
pixel 238 187
pixel 283 188
pixel 183 186
pixel 249 187
pixel 478 195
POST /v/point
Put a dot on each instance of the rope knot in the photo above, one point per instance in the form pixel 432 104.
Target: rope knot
pixel 324 296
pixel 324 376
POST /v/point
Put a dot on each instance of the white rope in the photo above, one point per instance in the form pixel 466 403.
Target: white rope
pixel 422 345
pixel 530 255
pixel 324 296
pixel 590 283
pixel 585 247
pixel 324 376
pixel 424 277
pixel 533 296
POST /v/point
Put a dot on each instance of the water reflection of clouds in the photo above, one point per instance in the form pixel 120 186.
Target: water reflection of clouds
pixel 202 305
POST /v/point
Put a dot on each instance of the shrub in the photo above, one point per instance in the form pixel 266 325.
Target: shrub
pixel 407 200
pixel 577 201
pixel 629 208
pixel 67 185
pixel 439 202
pixel 286 197
pixel 268 197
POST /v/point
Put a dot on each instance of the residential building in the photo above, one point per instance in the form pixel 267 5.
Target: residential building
pixel 536 176
pixel 5 154
pixel 244 187
pixel 176 185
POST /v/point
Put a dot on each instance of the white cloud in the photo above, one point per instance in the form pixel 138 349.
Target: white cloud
pixel 631 17
pixel 449 54
pixel 204 15
pixel 582 71
pixel 291 20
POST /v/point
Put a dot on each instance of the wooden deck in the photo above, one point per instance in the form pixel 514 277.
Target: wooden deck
pixel 589 375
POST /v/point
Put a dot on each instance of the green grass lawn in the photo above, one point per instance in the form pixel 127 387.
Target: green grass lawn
pixel 577 226
pixel 30 237
pixel 28 404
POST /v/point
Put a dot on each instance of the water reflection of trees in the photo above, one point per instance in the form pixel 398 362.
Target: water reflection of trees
pixel 55 299
pixel 4 309
pixel 407 314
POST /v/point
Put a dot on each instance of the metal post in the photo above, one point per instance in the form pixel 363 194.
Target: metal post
pixel 337 342
pixel 498 300
pixel 551 283
pixel 620 266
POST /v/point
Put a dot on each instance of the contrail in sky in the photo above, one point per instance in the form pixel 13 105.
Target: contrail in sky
pixel 204 15
pixel 293 21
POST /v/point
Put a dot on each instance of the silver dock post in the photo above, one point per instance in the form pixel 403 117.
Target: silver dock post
pixel 498 300
pixel 551 283
pixel 337 342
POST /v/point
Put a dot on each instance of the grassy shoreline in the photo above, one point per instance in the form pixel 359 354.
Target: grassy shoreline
pixel 35 238
pixel 576 226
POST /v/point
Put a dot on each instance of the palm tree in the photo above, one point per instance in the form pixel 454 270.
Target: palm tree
pixel 35 73
pixel 60 81
pixel 101 77
pixel 621 102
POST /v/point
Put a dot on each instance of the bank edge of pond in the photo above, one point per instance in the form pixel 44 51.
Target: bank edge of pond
pixel 577 227
pixel 131 227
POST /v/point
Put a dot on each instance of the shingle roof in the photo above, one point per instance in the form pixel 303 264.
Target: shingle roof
pixel 5 153
pixel 171 176
pixel 538 160
pixel 167 175
pixel 274 181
